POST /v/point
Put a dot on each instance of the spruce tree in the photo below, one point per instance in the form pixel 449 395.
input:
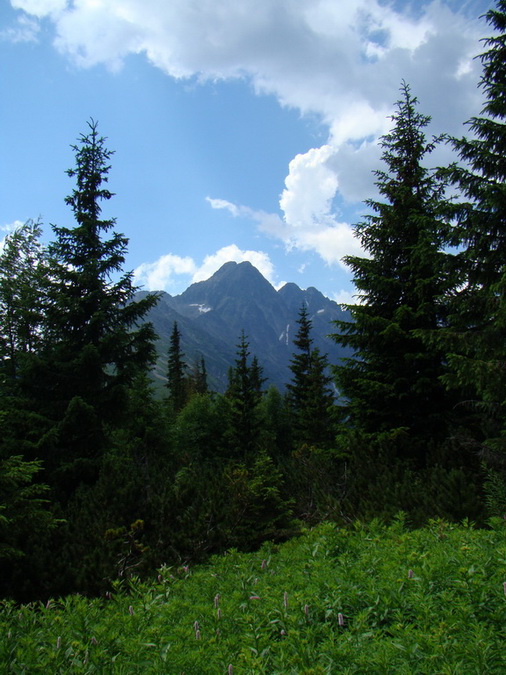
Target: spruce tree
pixel 96 342
pixel 24 278
pixel 197 380
pixel 476 337
pixel 392 381
pixel 176 379
pixel 309 394
pixel 244 393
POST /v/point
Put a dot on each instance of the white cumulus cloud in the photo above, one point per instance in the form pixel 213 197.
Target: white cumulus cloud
pixel 165 273
pixel 341 61
pixel 160 275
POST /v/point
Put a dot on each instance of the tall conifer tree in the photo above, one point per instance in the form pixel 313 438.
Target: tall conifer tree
pixel 476 340
pixel 244 393
pixel 97 343
pixel 176 380
pixel 393 379
pixel 309 394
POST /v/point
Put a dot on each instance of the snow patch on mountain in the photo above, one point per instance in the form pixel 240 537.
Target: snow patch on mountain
pixel 203 309
pixel 284 337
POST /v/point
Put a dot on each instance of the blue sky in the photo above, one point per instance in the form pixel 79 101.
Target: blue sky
pixel 242 129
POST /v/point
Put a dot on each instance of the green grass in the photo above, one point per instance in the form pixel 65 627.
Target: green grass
pixel 374 599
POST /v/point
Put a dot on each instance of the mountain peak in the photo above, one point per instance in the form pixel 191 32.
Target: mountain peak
pixel 213 313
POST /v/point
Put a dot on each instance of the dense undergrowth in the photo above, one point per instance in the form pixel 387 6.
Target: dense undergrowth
pixel 371 599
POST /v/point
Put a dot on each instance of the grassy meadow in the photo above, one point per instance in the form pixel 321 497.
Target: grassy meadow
pixel 370 599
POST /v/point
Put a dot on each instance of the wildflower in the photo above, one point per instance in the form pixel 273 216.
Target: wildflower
pixel 196 626
pixel 263 565
pixel 282 632
pixel 186 569
pixel 131 610
pixel 197 635
pixel 58 642
pixel 285 600
pixel 160 578
pixel 94 641
pixel 504 586
pixel 216 599
pixel 410 574
pixel 306 610
pixel 230 670
pixel 340 619
pixel 218 613
pixel 254 597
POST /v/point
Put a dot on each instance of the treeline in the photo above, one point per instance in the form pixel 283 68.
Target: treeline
pixel 100 479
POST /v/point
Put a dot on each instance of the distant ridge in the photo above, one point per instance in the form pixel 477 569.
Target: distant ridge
pixel 212 314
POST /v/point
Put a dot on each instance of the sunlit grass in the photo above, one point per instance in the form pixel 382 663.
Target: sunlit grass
pixel 374 599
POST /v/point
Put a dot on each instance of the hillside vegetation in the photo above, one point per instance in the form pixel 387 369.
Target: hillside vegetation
pixel 374 599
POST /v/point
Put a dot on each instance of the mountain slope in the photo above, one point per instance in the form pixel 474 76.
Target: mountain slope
pixel 212 314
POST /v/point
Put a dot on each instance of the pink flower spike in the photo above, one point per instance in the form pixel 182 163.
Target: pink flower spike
pixel 340 619
pixel 131 610
pixel 197 635
pixel 254 597
pixel 58 642
pixel 230 670
pixel 410 574
pixel 306 610
pixel 263 565
pixel 196 626
pixel 504 586
pixel 216 599
pixel 218 613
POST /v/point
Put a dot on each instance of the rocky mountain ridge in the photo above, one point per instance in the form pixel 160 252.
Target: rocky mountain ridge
pixel 212 314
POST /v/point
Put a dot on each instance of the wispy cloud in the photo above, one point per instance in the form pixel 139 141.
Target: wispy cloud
pixel 25 29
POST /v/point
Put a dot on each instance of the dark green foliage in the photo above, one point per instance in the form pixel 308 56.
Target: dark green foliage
pixel 244 393
pixel 393 380
pixel 377 480
pixel 475 340
pixel 309 395
pixel 275 424
pixel 176 379
pixel 197 378
pixel 257 508
pixel 25 520
pixel 96 346
pixel 23 505
pixel 24 277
